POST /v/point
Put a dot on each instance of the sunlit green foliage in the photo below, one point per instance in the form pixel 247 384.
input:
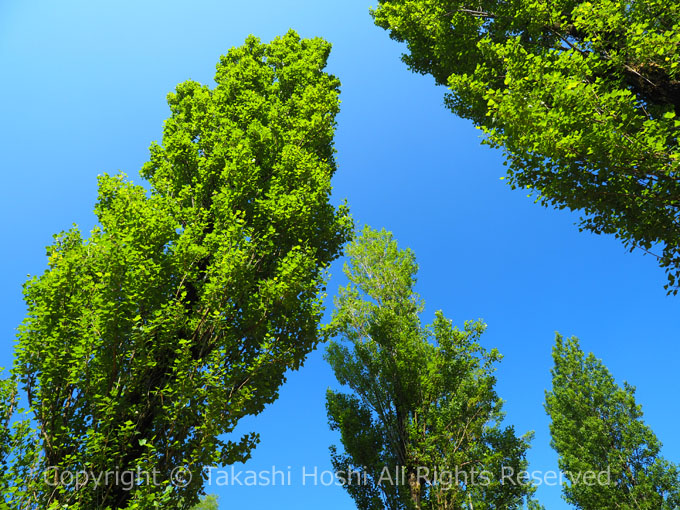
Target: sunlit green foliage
pixel 421 425
pixel 597 428
pixel 187 304
pixel 583 96
pixel 19 451
pixel 207 503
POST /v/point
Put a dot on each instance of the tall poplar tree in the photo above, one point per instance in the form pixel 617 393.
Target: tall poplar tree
pixel 183 310
pixel 583 97
pixel 421 425
pixel 611 458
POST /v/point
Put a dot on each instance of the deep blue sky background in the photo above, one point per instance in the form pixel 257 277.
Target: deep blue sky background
pixel 83 92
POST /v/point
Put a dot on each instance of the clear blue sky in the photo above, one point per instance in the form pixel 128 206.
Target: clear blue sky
pixel 83 92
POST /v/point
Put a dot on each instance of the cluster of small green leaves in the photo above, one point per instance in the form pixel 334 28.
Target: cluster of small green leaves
pixel 597 427
pixel 183 310
pixel 207 503
pixel 584 97
pixel 19 449
pixel 422 398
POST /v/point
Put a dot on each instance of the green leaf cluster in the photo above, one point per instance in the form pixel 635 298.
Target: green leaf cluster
pixel 19 449
pixel 583 97
pixel 207 503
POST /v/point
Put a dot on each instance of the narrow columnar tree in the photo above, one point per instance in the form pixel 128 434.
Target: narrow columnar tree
pixel 583 96
pixel 421 425
pixel 182 311
pixel 610 456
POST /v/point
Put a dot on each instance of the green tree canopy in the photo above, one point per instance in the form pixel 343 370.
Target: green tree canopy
pixel 207 503
pixel 597 427
pixel 584 97
pixel 422 422
pixel 187 304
